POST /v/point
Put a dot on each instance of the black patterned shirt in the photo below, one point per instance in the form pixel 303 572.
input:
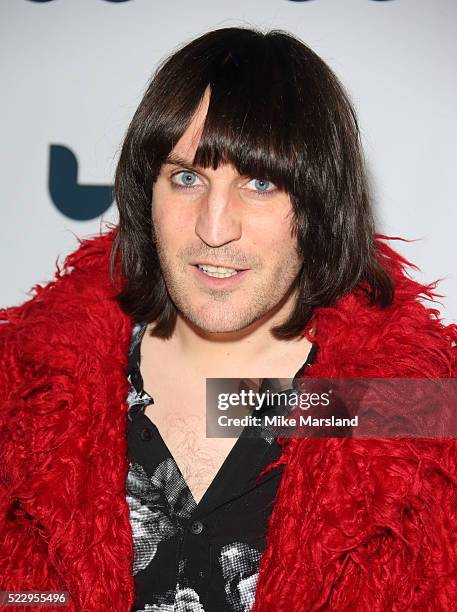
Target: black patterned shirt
pixel 188 556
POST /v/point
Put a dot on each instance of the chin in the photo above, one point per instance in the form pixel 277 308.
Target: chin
pixel 215 327
pixel 220 323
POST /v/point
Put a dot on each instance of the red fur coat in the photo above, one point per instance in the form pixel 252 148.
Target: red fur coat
pixel 367 525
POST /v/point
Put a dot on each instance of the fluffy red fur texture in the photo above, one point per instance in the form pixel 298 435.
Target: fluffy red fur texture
pixel 367 525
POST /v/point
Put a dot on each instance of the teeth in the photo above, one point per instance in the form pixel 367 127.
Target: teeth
pixel 217 272
pixel 208 268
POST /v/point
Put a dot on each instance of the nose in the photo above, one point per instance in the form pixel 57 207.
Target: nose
pixel 219 220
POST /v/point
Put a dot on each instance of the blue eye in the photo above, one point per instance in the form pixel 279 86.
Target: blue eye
pixel 184 178
pixel 262 185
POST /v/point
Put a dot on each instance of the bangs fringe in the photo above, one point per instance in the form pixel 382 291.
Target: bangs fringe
pixel 248 123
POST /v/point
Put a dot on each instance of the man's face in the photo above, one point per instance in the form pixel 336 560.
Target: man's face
pixel 217 217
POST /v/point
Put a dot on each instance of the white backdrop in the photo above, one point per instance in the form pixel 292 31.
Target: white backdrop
pixel 73 71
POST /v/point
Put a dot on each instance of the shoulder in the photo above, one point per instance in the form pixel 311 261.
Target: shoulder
pixel 407 338
pixel 70 312
pixel 85 272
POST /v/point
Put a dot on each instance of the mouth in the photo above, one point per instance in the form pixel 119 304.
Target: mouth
pixel 218 271
pixel 218 275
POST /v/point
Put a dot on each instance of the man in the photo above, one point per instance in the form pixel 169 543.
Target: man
pixel 245 249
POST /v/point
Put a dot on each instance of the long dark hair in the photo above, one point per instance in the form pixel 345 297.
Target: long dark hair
pixel 277 112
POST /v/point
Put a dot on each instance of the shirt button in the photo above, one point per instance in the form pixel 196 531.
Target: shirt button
pixel 146 434
pixel 197 527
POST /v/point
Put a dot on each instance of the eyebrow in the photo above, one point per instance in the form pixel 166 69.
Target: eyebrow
pixel 175 160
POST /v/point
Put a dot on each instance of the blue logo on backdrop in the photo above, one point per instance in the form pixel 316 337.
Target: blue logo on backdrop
pixel 80 202
pixel 114 1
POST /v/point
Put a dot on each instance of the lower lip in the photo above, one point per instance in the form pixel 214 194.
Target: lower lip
pixel 212 281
